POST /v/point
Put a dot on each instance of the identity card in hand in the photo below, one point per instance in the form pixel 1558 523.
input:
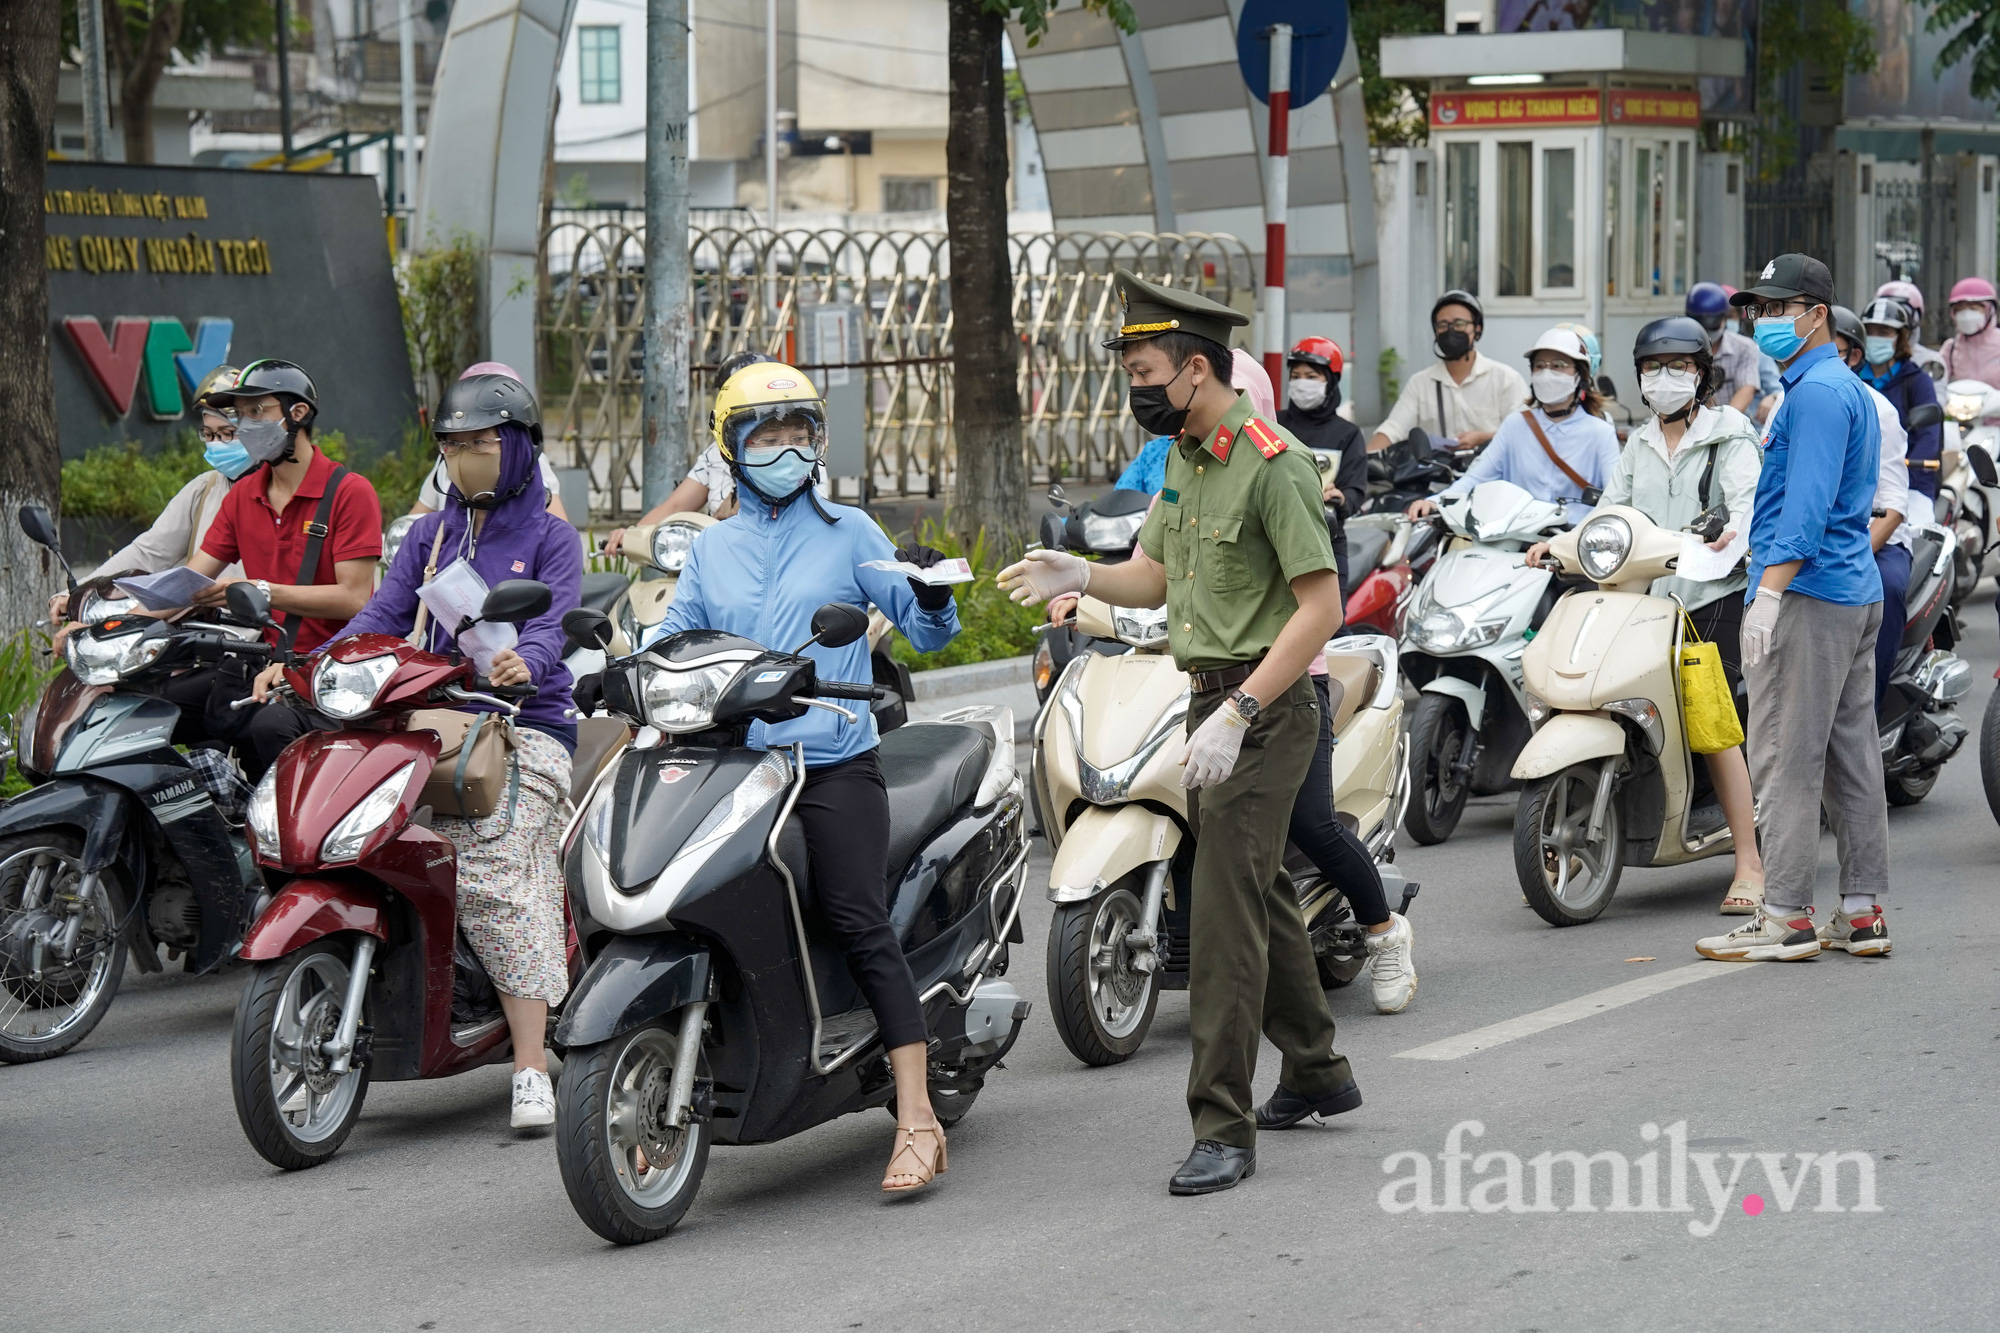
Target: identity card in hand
pixel 1699 563
pixel 944 572
pixel 168 590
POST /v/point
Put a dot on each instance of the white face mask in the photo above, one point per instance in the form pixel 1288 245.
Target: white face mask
pixel 1308 393
pixel 1553 387
pixel 1969 322
pixel 1667 391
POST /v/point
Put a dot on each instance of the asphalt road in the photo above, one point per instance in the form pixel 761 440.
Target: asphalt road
pixel 132 1201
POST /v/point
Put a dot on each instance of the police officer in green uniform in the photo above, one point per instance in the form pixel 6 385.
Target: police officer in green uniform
pixel 1237 550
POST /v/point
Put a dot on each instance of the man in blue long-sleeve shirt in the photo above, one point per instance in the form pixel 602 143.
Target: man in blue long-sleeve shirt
pixel 1809 634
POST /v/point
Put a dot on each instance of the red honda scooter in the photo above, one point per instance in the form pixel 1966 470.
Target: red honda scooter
pixel 358 969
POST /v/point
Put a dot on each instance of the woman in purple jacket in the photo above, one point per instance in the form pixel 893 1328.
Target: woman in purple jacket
pixel 509 882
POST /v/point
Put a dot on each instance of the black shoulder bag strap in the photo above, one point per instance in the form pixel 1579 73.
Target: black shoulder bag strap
pixel 309 566
pixel 1439 386
pixel 1708 473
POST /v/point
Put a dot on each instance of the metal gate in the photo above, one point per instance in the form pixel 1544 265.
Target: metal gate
pixel 1791 215
pixel 1916 235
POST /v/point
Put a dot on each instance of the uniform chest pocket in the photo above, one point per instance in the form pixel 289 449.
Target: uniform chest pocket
pixel 1224 563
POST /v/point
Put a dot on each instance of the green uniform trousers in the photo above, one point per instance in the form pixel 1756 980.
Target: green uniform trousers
pixel 1250 963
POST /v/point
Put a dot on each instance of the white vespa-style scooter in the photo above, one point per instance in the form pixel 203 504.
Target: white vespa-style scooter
pixel 1463 635
pixel 1608 777
pixel 1108 793
pixel 1969 483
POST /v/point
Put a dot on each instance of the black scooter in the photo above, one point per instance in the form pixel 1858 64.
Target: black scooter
pixel 717 1006
pixel 122 846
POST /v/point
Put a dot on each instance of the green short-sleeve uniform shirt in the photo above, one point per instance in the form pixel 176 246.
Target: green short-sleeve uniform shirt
pixel 1239 518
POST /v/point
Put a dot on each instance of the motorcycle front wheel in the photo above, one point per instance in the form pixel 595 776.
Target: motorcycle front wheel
pixel 1103 1005
pixel 1440 738
pixel 295 1110
pixel 60 963
pixel 1568 877
pixel 630 1173
pixel 1909 788
pixel 1989 753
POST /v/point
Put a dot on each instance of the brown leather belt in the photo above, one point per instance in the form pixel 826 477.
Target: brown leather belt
pixel 1204 681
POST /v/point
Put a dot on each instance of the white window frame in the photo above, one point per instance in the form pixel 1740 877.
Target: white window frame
pixel 1653 138
pixel 1584 140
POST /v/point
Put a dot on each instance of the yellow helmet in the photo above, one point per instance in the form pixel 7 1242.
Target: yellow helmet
pixel 760 395
pixel 220 380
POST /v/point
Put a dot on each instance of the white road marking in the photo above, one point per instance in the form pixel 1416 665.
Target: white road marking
pixel 1569 1011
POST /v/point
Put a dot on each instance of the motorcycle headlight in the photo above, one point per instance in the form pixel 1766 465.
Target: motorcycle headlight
pixel 597 822
pixel 102 660
pixel 679 701
pixel 344 843
pixel 263 816
pixel 346 690
pixel 1140 627
pixel 771 775
pixel 1602 546
pixel 671 544
pixel 1538 710
pixel 1964 407
pixel 92 609
pixel 1112 532
pixel 392 536
pixel 1454 629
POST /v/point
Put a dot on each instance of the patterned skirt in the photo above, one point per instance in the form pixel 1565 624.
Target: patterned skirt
pixel 510 894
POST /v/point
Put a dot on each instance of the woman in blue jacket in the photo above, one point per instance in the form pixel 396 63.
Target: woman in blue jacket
pixel 761 574
pixel 1891 371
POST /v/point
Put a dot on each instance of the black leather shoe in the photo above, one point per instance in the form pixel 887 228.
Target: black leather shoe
pixel 1212 1167
pixel 1286 1108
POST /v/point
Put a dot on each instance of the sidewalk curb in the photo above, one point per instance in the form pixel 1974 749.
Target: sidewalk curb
pixel 976 678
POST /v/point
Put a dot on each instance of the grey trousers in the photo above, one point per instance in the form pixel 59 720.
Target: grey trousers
pixel 1813 741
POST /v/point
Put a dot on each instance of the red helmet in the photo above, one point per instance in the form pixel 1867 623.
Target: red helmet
pixel 1317 351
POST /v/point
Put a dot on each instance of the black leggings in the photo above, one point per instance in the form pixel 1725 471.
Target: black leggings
pixel 257 731
pixel 1325 840
pixel 844 810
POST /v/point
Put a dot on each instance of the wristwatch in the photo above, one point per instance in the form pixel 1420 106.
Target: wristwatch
pixel 1247 706
pixel 263 586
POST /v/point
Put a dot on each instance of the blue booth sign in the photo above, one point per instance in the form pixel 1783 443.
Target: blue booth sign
pixel 1319 40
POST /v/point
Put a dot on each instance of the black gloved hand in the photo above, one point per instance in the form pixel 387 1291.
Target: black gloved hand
pixel 930 598
pixel 587 693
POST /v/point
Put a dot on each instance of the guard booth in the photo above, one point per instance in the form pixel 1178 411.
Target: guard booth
pixel 1572 185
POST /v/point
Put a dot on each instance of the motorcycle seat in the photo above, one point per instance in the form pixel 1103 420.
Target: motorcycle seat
pixel 930 770
pixel 598 742
pixel 1923 554
pixel 1351 681
pixel 1365 545
pixel 602 591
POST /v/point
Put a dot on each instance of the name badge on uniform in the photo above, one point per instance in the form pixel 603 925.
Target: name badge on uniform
pixel 1172 497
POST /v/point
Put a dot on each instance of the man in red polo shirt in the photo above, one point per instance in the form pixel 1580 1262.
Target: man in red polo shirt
pixel 272 521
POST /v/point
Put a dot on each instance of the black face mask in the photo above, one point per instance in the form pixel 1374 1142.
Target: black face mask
pixel 1154 411
pixel 1453 344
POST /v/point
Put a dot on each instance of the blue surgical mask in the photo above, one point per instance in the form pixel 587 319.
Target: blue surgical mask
pixel 1879 351
pixel 1778 337
pixel 228 457
pixel 776 473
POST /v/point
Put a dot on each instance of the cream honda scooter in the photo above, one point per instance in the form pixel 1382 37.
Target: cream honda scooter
pixel 1608 775
pixel 1109 796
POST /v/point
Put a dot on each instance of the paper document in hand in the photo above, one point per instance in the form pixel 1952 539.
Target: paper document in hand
pixel 1699 563
pixel 168 590
pixel 458 592
pixel 942 573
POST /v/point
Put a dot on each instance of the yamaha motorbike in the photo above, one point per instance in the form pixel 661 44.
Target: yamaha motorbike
pixel 717 1006
pixel 122 849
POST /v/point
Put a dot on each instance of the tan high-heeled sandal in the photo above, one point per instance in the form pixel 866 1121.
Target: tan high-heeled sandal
pixel 1742 898
pixel 929 1166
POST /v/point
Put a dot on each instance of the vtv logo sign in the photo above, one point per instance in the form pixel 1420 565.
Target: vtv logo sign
pixel 174 365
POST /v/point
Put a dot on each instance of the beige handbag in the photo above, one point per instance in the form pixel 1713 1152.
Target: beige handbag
pixel 477 759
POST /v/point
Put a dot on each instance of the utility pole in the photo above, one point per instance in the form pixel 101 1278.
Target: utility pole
pixel 664 389
pixel 285 83
pixel 1277 191
pixel 771 112
pixel 96 83
pixel 406 22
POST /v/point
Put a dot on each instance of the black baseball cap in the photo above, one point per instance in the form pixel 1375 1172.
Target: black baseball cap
pixel 1789 277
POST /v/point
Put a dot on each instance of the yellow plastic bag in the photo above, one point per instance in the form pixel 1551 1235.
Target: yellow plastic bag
pixel 1707 710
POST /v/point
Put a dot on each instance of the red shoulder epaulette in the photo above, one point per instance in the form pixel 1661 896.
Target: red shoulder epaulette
pixel 1269 443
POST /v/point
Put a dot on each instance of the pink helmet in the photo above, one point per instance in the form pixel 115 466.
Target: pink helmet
pixel 1247 374
pixel 490 368
pixel 1906 292
pixel 1973 289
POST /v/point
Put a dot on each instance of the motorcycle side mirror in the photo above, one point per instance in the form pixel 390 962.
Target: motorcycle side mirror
pixel 1052 531
pixel 1982 466
pixel 1606 387
pixel 836 625
pixel 587 627
pixel 1922 415
pixel 516 601
pixel 41 530
pixel 247 602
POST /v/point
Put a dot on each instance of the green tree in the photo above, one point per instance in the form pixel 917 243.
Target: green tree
pixel 986 395
pixel 1979 39
pixel 141 37
pixel 1398 112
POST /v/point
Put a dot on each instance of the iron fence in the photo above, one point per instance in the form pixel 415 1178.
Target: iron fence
pixel 749 285
pixel 1916 233
pixel 1792 215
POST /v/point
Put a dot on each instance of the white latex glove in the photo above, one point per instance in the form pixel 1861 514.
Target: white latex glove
pixel 1210 753
pixel 1760 627
pixel 1042 574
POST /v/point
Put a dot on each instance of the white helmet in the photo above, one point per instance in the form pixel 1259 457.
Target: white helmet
pixel 1564 339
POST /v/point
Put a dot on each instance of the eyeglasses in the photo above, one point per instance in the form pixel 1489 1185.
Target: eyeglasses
pixel 1561 367
pixel 801 440
pixel 1680 365
pixel 1452 325
pixel 484 444
pixel 1779 309
pixel 217 434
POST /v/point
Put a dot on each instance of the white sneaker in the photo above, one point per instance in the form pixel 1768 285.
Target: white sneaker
pixel 1773 935
pixel 534 1099
pixel 1392 973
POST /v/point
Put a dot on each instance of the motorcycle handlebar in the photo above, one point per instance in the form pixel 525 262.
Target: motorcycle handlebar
pixel 842 689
